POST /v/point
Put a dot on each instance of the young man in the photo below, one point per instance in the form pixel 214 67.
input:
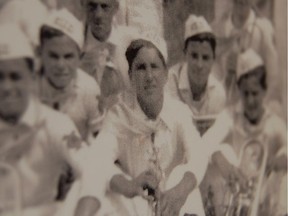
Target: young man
pixel 105 42
pixel 149 151
pixel 242 30
pixel 62 85
pixel 250 122
pixel 193 81
pixel 37 143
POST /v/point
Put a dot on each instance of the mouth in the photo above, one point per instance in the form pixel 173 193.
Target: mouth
pixel 149 87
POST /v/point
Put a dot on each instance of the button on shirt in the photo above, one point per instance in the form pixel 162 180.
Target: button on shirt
pixel 213 100
pixel 79 101
pixel 97 54
pixel 138 144
pixel 39 148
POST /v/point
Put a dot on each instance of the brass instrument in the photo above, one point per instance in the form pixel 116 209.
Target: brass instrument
pixel 244 201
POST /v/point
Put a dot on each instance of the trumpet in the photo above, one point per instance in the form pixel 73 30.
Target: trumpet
pixel 245 201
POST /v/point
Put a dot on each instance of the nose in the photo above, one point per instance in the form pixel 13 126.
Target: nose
pixel 200 63
pixel 98 12
pixel 61 63
pixel 6 85
pixel 250 100
pixel 149 74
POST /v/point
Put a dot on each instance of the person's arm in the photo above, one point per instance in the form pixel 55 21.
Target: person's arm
pixel 278 145
pixel 185 177
pixel 87 206
pixel 218 132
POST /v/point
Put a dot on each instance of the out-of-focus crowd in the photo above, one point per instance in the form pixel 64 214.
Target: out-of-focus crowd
pixel 95 121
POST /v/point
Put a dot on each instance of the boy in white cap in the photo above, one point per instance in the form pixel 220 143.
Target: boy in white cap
pixel 62 85
pixel 241 30
pixel 246 121
pixel 37 143
pixel 193 81
pixel 105 42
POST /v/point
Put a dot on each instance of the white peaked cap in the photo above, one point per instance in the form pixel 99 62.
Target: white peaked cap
pixel 247 61
pixel 14 43
pixel 158 41
pixel 196 25
pixel 66 22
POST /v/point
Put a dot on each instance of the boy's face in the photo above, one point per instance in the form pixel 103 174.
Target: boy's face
pixel 15 79
pixel 252 95
pixel 60 58
pixel 199 56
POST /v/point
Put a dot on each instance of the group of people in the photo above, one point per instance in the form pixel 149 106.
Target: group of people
pixel 93 122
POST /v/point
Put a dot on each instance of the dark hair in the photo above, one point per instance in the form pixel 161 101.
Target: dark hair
pixel 209 37
pixel 259 72
pixel 134 48
pixel 47 33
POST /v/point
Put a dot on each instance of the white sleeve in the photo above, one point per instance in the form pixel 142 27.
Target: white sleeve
pixel 100 166
pixel 195 155
pixel 218 132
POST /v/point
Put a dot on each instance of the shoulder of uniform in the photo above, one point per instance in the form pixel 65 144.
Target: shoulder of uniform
pixel 87 82
pixel 175 69
pixel 265 24
pixel 175 104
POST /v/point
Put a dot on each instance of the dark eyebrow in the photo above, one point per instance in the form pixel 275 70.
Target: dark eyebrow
pixel 51 53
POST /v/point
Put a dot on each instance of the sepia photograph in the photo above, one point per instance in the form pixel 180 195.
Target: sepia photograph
pixel 143 108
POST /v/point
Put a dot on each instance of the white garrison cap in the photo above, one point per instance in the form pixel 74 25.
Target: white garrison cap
pixel 14 43
pixel 196 25
pixel 66 22
pixel 247 61
pixel 158 41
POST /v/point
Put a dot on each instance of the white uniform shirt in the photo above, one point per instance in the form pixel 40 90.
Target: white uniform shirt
pixel 97 54
pixel 79 101
pixel 39 148
pixel 29 14
pixel 233 128
pixel 258 34
pixel 212 102
pixel 127 137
